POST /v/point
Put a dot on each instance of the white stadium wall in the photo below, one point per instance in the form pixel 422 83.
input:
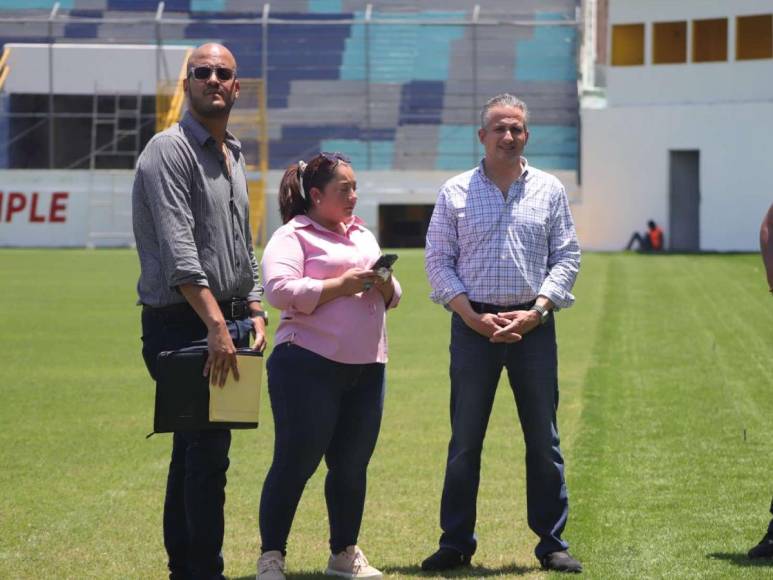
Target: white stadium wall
pixel 705 82
pixel 79 208
pixel 65 208
pixel 85 68
pixel 625 169
pixel 723 110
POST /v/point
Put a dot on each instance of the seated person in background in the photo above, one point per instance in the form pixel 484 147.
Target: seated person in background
pixel 649 241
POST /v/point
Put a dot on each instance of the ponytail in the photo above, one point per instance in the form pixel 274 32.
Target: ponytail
pixel 294 196
pixel 292 202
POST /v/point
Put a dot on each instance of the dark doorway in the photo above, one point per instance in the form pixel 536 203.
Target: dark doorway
pixel 403 226
pixel 684 201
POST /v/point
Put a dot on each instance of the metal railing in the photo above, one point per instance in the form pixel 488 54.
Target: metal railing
pixel 371 107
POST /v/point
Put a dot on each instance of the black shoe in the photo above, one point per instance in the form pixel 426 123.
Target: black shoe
pixel 764 549
pixel 561 561
pixel 445 559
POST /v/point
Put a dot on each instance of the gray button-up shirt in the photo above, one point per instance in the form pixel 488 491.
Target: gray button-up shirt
pixel 191 220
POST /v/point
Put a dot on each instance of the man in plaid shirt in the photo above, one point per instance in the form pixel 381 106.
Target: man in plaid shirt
pixel 502 254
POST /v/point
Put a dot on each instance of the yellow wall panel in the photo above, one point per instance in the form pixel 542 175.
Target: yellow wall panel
pixel 669 42
pixel 754 37
pixel 627 44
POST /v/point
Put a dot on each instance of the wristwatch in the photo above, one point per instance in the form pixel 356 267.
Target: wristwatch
pixel 260 314
pixel 543 313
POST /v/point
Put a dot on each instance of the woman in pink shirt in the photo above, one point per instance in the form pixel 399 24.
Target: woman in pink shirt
pixel 326 373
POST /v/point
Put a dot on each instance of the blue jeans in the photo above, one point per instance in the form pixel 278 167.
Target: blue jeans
pixel 476 365
pixel 321 408
pixel 195 487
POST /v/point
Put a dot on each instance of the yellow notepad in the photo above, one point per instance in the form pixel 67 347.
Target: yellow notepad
pixel 238 401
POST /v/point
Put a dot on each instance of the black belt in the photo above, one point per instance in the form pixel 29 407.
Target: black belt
pixel 483 307
pixel 235 309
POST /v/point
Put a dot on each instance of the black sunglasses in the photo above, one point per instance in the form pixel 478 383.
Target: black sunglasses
pixel 204 73
pixel 335 158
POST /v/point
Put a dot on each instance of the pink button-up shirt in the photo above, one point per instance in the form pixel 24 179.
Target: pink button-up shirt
pixel 302 253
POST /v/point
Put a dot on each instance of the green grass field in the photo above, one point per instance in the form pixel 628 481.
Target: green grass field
pixel 666 406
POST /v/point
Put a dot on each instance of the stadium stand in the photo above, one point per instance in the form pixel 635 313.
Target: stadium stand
pixel 401 95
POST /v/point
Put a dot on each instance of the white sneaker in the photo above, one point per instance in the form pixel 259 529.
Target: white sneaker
pixel 271 566
pixel 351 563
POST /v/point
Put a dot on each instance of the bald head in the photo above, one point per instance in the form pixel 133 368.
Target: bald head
pixel 211 83
pixel 206 53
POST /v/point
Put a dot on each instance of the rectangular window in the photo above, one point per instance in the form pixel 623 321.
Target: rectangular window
pixel 709 40
pixel 627 44
pixel 669 42
pixel 754 37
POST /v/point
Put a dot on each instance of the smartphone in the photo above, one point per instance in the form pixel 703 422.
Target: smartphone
pixel 385 261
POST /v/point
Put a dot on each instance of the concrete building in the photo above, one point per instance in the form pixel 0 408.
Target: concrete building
pixel 682 132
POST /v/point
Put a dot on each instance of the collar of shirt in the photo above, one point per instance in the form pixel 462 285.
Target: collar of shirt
pixel 525 173
pixel 201 134
pixel 304 221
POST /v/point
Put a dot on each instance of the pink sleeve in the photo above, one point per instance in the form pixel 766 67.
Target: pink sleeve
pixel 283 265
pixel 397 294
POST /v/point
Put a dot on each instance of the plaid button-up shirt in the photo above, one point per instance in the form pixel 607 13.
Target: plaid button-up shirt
pixel 502 250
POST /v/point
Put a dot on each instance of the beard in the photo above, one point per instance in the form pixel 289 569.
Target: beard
pixel 211 110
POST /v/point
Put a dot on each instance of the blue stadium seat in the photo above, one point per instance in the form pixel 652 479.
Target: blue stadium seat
pixel 421 102
pixel 303 142
pixel 149 5
pixel 381 152
pixel 553 146
pixel 421 111
pixel 458 147
pixel 549 55
pixel 325 6
pixel 401 53
pixel 208 5
pixel 35 4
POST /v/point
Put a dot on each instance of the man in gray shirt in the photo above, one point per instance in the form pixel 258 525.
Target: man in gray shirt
pixel 198 286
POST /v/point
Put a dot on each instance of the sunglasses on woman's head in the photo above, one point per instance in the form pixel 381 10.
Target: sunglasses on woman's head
pixel 204 73
pixel 335 158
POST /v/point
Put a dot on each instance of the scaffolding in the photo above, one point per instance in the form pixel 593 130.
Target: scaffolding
pixel 366 103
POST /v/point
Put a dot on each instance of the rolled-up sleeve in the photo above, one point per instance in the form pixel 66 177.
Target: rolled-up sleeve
pixel 564 254
pixel 285 285
pixel 166 184
pixel 441 253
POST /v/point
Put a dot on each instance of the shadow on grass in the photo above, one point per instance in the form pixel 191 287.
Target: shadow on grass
pixel 509 570
pixel 469 572
pixel 741 559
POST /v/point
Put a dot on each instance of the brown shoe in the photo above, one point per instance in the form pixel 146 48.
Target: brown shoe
pixel 561 561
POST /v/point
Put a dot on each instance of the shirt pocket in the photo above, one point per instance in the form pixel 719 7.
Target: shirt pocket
pixel 532 224
pixel 473 226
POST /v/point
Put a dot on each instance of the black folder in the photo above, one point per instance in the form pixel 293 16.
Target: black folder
pixel 182 392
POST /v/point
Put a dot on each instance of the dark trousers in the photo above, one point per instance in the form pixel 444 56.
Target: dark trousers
pixel 321 408
pixel 195 488
pixel 645 245
pixel 476 365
